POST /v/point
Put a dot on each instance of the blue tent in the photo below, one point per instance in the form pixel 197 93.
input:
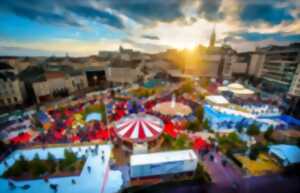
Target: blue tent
pixel 93 117
pixel 288 154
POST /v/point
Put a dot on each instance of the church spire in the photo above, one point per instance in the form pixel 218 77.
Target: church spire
pixel 212 39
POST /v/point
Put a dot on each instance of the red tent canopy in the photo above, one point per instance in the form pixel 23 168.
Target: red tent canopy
pixel 69 122
pixel 75 138
pixel 169 129
pixel 200 144
pixel 68 113
pixel 21 138
pixel 58 135
pixel 102 134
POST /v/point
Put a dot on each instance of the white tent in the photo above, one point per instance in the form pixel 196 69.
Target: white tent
pixel 217 99
pixel 237 89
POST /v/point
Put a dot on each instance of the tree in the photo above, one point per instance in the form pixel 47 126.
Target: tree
pixel 181 142
pixel 194 125
pixel 253 130
pixel 201 175
pixel 51 162
pixel 24 164
pixel 199 113
pixel 254 152
pixel 70 159
pixel 167 139
pixel 37 166
pixel 239 127
pixel 230 142
pixel 268 133
pixel 206 125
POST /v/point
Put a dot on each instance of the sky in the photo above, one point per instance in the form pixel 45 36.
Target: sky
pixel 85 27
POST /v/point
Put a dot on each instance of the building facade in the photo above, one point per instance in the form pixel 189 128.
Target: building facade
pixel 211 62
pixel 50 81
pixel 123 71
pixel 279 67
pixel 12 90
pixel 241 64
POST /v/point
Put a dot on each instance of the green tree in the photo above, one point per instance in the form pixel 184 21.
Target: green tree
pixel 230 142
pixel 268 133
pixel 51 162
pixel 254 152
pixel 199 113
pixel 182 142
pixel 24 164
pixel 70 159
pixel 194 125
pixel 38 167
pixel 167 139
pixel 253 130
pixel 206 125
pixel 201 175
pixel 14 171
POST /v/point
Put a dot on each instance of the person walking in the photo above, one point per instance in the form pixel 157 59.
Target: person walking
pixel 54 187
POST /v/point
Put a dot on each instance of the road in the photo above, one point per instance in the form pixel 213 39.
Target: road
pixel 260 184
pixel 219 173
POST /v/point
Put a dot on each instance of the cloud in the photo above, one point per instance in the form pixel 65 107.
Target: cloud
pixel 36 11
pixel 102 16
pixel 242 45
pixel 265 12
pixel 150 37
pixel 209 9
pixel 149 25
pixel 60 12
pixel 274 36
pixel 146 47
pixel 147 11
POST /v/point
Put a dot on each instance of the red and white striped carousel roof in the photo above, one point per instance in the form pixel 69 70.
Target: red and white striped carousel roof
pixel 139 127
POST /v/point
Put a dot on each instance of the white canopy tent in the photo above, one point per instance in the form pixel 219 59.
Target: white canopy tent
pixel 237 89
pixel 217 99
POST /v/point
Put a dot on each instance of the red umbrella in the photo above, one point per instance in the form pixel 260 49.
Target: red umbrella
pixel 21 138
pixel 57 135
pixel 75 138
pixel 104 134
pixel 69 122
pixel 169 129
pixel 200 144
pixel 68 113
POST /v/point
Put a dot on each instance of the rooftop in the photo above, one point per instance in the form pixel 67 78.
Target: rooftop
pixel 118 63
pixel 162 157
pixel 5 66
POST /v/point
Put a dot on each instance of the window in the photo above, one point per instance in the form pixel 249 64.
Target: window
pixel 15 99
pixel 8 101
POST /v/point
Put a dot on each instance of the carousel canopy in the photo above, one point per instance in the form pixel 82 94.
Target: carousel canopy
pixel 139 127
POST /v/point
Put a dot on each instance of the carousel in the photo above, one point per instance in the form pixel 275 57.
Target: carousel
pixel 172 108
pixel 136 130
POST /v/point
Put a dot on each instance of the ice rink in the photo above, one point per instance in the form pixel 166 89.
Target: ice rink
pixel 100 180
